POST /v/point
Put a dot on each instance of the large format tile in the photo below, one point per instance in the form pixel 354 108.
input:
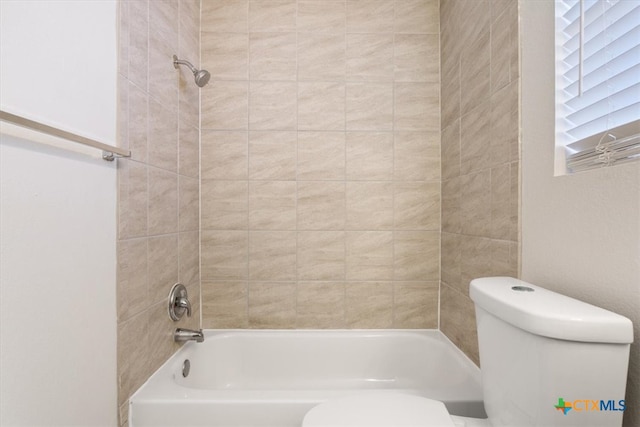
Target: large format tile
pixel 225 16
pixel 417 206
pixel 370 16
pixel 417 106
pixel 320 16
pixel 369 206
pixel 369 255
pixel 224 304
pixel 225 105
pixel 417 16
pixel 320 305
pixel 272 155
pixel 321 255
pixel 224 155
pixel 416 255
pixel 272 106
pixel 369 57
pixel 272 15
pixel 224 205
pixel 370 156
pixel 272 205
pixel 224 255
pixel 163 202
pixel 272 56
pixel 321 106
pixel 369 106
pixel 321 155
pixel 458 322
pixel 272 255
pixel 272 305
pixel 225 55
pixel 321 205
pixel 415 305
pixel 369 305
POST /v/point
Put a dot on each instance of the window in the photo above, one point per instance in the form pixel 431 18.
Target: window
pixel 598 81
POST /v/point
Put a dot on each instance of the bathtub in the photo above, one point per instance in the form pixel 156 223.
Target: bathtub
pixel 272 378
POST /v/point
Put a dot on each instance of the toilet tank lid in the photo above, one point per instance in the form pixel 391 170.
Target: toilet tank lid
pixel 546 313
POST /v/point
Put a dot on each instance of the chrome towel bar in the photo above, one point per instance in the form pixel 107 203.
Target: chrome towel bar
pixel 109 152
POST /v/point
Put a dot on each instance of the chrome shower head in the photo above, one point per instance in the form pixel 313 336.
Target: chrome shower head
pixel 201 77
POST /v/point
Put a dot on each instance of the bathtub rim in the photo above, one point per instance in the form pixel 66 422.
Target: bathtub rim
pixel 199 394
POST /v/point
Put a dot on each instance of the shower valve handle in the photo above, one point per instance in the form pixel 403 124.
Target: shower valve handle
pixel 179 302
pixel 184 303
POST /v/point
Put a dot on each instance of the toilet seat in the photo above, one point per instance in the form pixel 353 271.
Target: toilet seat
pixel 384 408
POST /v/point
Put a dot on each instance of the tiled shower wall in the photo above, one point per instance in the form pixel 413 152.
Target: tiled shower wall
pixel 480 155
pixel 158 192
pixel 320 164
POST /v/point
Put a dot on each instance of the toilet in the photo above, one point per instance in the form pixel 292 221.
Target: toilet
pixel 547 360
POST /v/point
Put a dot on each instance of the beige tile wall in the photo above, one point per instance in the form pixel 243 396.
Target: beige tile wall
pixel 320 164
pixel 480 155
pixel 158 188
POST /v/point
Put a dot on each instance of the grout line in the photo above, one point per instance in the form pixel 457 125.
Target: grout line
pixel 297 276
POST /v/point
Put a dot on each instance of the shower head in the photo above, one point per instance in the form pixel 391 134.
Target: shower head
pixel 201 76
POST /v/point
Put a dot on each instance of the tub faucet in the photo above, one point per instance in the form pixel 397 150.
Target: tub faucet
pixel 183 335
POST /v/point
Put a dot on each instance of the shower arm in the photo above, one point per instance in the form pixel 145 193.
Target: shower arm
pixel 177 62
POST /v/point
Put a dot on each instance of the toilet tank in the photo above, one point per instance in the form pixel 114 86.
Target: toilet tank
pixel 547 359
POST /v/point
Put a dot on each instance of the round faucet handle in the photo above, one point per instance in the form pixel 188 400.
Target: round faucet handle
pixel 179 302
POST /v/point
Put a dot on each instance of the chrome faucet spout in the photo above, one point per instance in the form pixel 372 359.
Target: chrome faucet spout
pixel 183 335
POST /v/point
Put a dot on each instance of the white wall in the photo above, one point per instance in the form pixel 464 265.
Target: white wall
pixel 57 312
pixel 59 63
pixel 581 232
pixel 58 216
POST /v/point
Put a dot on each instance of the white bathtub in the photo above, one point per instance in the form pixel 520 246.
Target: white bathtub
pixel 272 378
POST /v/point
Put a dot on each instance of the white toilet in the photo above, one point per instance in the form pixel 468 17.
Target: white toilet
pixel 547 360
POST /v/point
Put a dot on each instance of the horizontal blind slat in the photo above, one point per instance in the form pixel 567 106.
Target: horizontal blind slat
pixel 606 45
pixel 616 83
pixel 604 122
pixel 593 9
pixel 614 19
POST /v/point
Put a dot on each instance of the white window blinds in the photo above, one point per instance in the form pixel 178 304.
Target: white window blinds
pixel 598 81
